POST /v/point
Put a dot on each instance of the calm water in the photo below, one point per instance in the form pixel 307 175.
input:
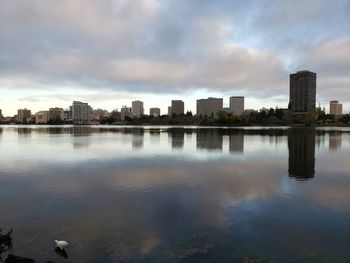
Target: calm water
pixel 161 194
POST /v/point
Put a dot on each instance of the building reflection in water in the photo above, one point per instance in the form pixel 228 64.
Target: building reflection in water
pixel 209 139
pixel 301 146
pixel 177 137
pixel 154 135
pixel 24 132
pixel 137 138
pixel 236 140
pixel 335 140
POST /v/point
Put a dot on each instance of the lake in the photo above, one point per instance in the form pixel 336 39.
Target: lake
pixel 176 194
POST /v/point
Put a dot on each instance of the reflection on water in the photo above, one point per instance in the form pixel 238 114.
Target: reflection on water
pixel 237 142
pixel 177 136
pixel 335 140
pixel 210 139
pixel 301 146
pixel 176 194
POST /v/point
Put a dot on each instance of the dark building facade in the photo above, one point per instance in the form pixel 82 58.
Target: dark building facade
pixel 302 92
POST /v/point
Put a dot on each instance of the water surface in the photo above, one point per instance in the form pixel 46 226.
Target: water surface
pixel 172 194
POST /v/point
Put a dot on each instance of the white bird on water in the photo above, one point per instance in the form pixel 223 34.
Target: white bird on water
pixel 61 244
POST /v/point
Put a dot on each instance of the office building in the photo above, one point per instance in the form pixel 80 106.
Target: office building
pixel 23 116
pixel 137 108
pixel 80 112
pixel 169 111
pixel 237 105
pixel 335 108
pixel 209 107
pixel 177 107
pixel 41 117
pixel 155 112
pixel 125 112
pixel 56 114
pixel 302 92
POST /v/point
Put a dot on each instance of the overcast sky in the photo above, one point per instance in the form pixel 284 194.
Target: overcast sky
pixel 110 52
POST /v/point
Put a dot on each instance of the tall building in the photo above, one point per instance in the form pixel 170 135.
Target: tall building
pixel 335 108
pixel 23 115
pixel 170 111
pixel 137 108
pixel 177 107
pixel 302 92
pixel 1 114
pixel 41 117
pixel 237 105
pixel 56 114
pixel 80 112
pixel 155 112
pixel 209 107
pixel 125 112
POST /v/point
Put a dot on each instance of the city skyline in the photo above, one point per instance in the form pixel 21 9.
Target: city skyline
pixel 111 52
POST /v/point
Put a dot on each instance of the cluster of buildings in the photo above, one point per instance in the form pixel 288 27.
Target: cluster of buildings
pixel 302 94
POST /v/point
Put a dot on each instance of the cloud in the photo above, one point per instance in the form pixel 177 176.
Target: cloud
pixel 154 46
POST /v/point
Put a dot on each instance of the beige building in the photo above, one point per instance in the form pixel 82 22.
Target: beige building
pixel 23 115
pixel 56 114
pixel 137 108
pixel 209 107
pixel 237 105
pixel 41 117
pixel 125 112
pixel 335 108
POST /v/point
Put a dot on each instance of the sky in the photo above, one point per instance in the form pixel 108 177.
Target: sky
pixel 110 52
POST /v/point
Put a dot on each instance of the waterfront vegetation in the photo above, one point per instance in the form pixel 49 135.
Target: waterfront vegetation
pixel 263 117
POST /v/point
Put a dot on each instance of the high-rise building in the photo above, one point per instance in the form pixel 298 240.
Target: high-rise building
pixel 80 112
pixel 177 107
pixel 335 108
pixel 170 111
pixel 137 108
pixel 155 112
pixel 302 92
pixel 209 107
pixel 23 115
pixel 237 105
pixel 125 112
pixel 56 114
pixel 41 117
pixel 1 114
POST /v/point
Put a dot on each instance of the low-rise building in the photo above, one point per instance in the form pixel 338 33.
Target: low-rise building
pixel 155 112
pixel 42 117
